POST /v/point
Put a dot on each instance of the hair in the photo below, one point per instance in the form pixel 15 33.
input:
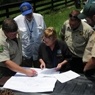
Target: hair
pixel 50 32
pixel 9 25
pixel 75 13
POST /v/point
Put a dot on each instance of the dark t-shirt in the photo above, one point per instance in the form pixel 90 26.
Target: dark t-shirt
pixel 55 56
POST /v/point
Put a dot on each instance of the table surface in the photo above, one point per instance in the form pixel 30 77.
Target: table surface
pixel 80 86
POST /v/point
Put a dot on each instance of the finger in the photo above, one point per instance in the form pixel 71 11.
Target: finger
pixel 42 67
pixel 34 72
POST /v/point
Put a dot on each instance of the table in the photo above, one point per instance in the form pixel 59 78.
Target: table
pixel 3 80
pixel 82 85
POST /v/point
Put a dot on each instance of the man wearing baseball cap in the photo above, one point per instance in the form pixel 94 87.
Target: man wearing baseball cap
pixel 89 53
pixel 88 13
pixel 26 8
pixel 31 26
pixel 88 10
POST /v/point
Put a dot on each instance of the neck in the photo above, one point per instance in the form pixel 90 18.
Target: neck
pixel 52 46
pixel 29 19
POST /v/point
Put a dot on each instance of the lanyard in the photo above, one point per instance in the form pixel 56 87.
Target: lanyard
pixel 30 28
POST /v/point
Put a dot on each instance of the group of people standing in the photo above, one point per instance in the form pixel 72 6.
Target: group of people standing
pixel 26 42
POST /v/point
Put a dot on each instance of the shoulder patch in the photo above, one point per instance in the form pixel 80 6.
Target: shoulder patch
pixel 1 48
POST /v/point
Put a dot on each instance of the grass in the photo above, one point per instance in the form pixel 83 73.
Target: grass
pixel 56 19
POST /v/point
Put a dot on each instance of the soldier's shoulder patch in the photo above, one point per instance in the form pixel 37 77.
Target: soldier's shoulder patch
pixel 1 48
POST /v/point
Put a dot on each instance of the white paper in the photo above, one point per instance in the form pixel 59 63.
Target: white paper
pixel 44 82
pixel 66 76
pixel 31 84
pixel 43 72
pixel 48 72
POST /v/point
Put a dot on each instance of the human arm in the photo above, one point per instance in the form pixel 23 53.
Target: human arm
pixel 59 66
pixel 8 59
pixel 42 64
pixel 90 64
pixel 89 54
pixel 42 22
pixel 62 31
pixel 41 54
pixel 66 55
pixel 16 68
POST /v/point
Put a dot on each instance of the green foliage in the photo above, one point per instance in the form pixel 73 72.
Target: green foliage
pixel 8 1
pixel 56 19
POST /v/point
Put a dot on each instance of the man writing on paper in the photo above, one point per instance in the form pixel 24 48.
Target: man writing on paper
pixel 10 50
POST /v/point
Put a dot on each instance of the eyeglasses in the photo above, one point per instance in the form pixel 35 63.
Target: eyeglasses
pixel 71 16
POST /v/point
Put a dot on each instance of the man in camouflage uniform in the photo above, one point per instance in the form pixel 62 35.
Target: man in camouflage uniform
pixel 89 54
pixel 76 34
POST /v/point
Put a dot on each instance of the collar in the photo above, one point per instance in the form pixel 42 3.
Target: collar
pixel 29 21
pixel 80 28
pixel 4 36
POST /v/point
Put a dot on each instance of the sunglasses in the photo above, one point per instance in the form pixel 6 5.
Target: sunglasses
pixel 71 16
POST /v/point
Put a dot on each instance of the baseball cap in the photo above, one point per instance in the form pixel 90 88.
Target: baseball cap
pixel 26 8
pixel 88 10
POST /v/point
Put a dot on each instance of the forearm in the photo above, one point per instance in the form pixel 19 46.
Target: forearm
pixel 90 64
pixel 42 64
pixel 63 62
pixel 41 61
pixel 14 67
pixel 59 66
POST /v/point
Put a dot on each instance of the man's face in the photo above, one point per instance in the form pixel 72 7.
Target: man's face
pixel 11 35
pixel 91 20
pixel 73 21
pixel 29 16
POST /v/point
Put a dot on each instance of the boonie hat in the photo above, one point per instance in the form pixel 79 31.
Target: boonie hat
pixel 26 8
pixel 88 10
